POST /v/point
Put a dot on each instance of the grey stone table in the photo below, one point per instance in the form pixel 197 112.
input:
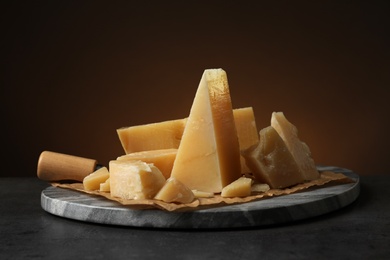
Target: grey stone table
pixel 360 230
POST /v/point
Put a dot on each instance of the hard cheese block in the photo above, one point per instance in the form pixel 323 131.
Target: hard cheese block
pixel 208 157
pixel 168 134
pixel 163 159
pixel 299 150
pixel 155 136
pixel 134 179
pixel 271 162
pixel 238 188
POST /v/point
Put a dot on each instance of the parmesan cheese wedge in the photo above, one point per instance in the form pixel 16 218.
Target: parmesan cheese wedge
pixel 208 157
pixel 175 191
pixel 168 134
pixel 271 162
pixel 299 150
pixel 134 179
pixel 93 180
pixel 105 186
pixel 163 159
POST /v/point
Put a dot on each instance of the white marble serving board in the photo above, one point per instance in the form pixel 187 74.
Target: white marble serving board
pixel 277 210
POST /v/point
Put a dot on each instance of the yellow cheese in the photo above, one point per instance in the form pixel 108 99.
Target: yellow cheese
pixel 163 159
pixel 93 180
pixel 247 133
pixel 208 157
pixel 202 194
pixel 155 136
pixel 271 162
pixel 239 188
pixel 260 187
pixel 105 186
pixel 175 191
pixel 134 179
pixel 299 150
pixel 168 134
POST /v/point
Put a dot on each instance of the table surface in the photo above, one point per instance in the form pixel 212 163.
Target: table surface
pixel 358 231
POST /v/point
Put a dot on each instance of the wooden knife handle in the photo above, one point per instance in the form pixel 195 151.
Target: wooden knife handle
pixel 59 167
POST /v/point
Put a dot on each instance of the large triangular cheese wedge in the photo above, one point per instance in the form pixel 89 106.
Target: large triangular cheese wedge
pixel 299 150
pixel 208 157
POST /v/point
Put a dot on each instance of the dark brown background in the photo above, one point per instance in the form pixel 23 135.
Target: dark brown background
pixel 75 71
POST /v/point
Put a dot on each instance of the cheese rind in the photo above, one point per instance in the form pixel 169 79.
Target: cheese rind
pixel 168 134
pixel 163 159
pixel 239 188
pixel 271 162
pixel 175 191
pixel 299 150
pixel 93 180
pixel 134 179
pixel 208 157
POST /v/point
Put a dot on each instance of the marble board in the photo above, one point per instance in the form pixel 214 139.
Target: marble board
pixel 272 211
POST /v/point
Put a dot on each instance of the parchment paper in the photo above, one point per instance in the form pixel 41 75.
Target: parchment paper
pixel 326 177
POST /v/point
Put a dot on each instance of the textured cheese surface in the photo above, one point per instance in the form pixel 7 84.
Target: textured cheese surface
pixel 175 191
pixel 299 150
pixel 134 179
pixel 239 188
pixel 155 136
pixel 208 157
pixel 163 159
pixel 168 134
pixel 93 180
pixel 271 162
pixel 105 186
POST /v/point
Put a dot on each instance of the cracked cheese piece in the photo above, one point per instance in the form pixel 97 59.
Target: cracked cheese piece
pixel 271 162
pixel 168 134
pixel 93 180
pixel 105 186
pixel 208 157
pixel 239 188
pixel 175 191
pixel 134 179
pixel 163 159
pixel 299 150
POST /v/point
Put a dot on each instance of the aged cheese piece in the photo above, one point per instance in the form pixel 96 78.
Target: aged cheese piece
pixel 93 180
pixel 202 194
pixel 134 179
pixel 167 134
pixel 155 136
pixel 208 157
pixel 239 188
pixel 105 186
pixel 163 159
pixel 175 191
pixel 259 187
pixel 247 133
pixel 271 162
pixel 299 150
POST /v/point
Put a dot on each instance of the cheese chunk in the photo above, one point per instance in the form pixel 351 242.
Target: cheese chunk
pixel 202 194
pixel 247 133
pixel 271 162
pixel 299 150
pixel 260 187
pixel 134 179
pixel 155 136
pixel 175 191
pixel 208 157
pixel 239 188
pixel 168 134
pixel 105 186
pixel 93 180
pixel 163 159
